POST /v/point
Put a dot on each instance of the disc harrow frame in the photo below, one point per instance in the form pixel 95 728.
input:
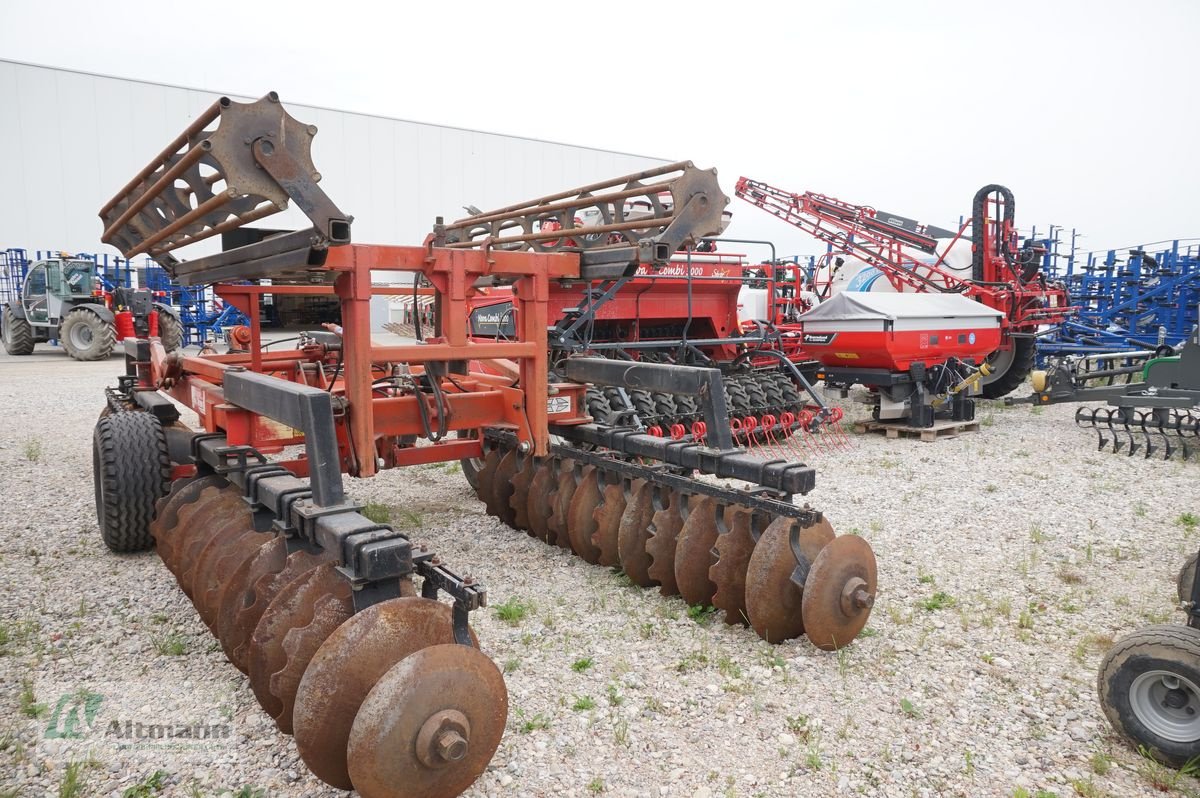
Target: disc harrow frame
pixel 285 569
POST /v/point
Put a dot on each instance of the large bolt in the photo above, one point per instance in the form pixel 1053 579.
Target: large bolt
pixel 451 746
pixel 863 600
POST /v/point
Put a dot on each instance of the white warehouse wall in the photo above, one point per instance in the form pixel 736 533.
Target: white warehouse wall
pixel 70 140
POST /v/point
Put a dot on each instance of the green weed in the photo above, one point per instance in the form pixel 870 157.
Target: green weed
pixel 379 513
pixel 582 664
pixel 513 611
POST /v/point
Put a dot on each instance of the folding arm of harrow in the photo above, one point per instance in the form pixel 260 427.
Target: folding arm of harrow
pixel 614 225
pixel 207 182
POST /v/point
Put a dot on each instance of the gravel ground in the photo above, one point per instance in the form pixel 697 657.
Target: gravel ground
pixel 1009 559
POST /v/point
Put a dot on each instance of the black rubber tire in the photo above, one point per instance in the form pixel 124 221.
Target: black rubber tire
pixel 664 408
pixel 471 465
pixel 1187 575
pixel 736 401
pixel 755 395
pixel 597 406
pixel 1002 383
pixel 17 334
pixel 643 405
pixel 85 336
pixel 170 331
pixel 1174 649
pixel 131 470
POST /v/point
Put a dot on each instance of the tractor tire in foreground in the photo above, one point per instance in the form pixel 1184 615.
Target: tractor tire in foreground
pixel 17 334
pixel 1009 369
pixel 131 470
pixel 86 336
pixel 1149 687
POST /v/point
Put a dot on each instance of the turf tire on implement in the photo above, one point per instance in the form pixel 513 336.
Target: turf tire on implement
pixel 131 470
pixel 1149 688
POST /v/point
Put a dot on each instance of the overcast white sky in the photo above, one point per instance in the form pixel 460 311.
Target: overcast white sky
pixel 1088 110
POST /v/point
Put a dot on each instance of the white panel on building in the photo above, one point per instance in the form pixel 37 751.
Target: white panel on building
pixel 71 140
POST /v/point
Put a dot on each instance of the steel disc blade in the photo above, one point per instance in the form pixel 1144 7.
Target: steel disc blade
pixel 486 475
pixel 221 558
pixel 634 533
pixel 733 549
pixel 839 592
pixel 345 668
pixel 214 520
pixel 542 489
pixel 693 551
pixel 608 524
pixel 269 559
pixel 500 489
pixel 773 597
pixel 195 522
pixel 558 531
pixel 166 511
pixel 249 606
pixel 664 530
pixel 581 515
pixel 316 609
pixel 519 501
pixel 429 726
pixel 292 605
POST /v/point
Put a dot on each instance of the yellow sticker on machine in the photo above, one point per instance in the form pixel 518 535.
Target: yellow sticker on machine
pixel 846 355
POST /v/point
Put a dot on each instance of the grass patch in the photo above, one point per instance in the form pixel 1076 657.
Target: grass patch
pixel 170 645
pixel 538 721
pixel 692 661
pixel 33 450
pixel 583 703
pixel 74 780
pixel 1189 521
pixel 1101 763
pixel 30 708
pixel 582 664
pixel 151 785
pixel 938 601
pixel 701 613
pixel 909 709
pixel 379 513
pixel 513 611
pixel 596 786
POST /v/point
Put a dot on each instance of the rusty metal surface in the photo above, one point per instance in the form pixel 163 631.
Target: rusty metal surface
pixel 265 653
pixel 498 490
pixel 519 501
pixel 267 560
pixel 486 476
pixel 217 512
pixel 581 515
pixel 608 524
pixel 345 668
pixel 733 549
pixel 634 531
pixel 165 527
pixel 693 551
pixel 773 596
pixel 210 180
pixel 429 726
pixel 664 530
pixel 291 630
pixel 220 558
pixel 541 500
pixel 558 532
pixel 839 592
pixel 673 205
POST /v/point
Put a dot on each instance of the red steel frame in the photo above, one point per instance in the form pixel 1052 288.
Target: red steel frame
pixel 473 401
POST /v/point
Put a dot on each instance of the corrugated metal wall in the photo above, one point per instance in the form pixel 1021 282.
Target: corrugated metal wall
pixel 69 141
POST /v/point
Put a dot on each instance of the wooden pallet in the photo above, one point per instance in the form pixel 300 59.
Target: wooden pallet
pixel 940 429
